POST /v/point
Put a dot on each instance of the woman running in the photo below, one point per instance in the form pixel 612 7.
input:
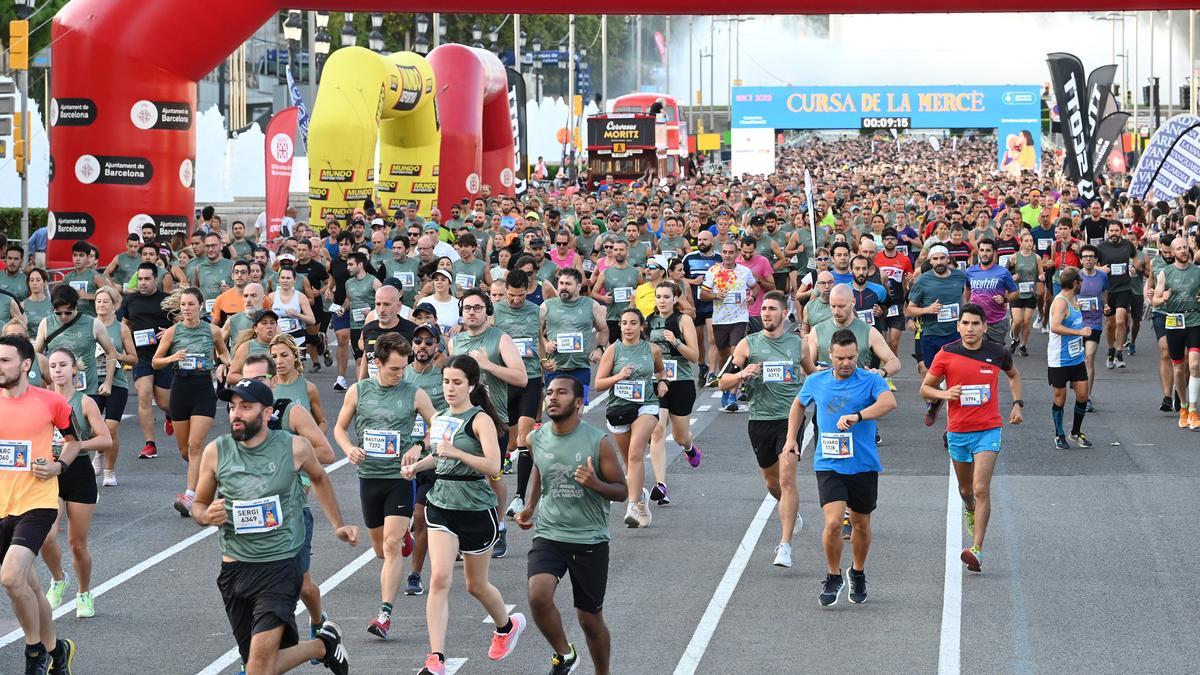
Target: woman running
pixel 37 305
pixel 289 380
pixel 194 348
pixel 256 340
pixel 674 334
pixel 291 306
pixel 461 510
pixel 633 369
pixel 1026 266
pixel 112 405
pixel 76 487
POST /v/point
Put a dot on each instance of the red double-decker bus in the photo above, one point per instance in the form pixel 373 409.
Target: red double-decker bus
pixel 670 129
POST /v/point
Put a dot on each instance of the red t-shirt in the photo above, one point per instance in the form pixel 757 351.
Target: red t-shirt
pixel 978 372
pixel 888 266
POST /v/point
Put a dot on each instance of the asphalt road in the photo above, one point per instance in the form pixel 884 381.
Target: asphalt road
pixel 1088 565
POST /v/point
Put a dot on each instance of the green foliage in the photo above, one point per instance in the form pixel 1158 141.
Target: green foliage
pixel 10 221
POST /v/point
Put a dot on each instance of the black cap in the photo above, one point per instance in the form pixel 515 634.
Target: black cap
pixel 431 327
pixel 758 220
pixel 537 242
pixel 394 283
pixel 249 390
pixel 264 314
pixel 425 307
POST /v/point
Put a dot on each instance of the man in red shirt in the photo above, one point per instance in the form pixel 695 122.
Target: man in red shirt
pixel 895 271
pixel 971 370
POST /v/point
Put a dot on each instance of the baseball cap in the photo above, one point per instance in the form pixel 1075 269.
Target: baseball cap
pixel 537 242
pixel 758 220
pixel 287 256
pixel 531 216
pixel 378 222
pixel 264 314
pixel 248 390
pixel 431 327
pixel 425 307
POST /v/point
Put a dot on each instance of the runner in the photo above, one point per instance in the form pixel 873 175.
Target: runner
pixel 291 306
pixel 193 348
pixel 728 287
pixel 765 363
pixel 817 309
pixel 576 478
pixel 992 288
pixel 520 320
pixel 239 323
pixel 696 264
pixel 896 270
pixel 29 502
pixel 37 306
pixel 848 402
pixel 147 319
pixel 970 370
pixel 108 300
pixel 256 340
pixel 674 334
pixel 317 277
pixel 261 536
pixel 1092 300
pixel 568 323
pixel 76 488
pixel 1158 319
pixel 873 351
pixel 1025 267
pixel 335 292
pixel 360 299
pixel 1120 261
pixel 1064 356
pixel 82 278
pixel 461 509
pixel 633 369
pixel 934 300
pixel 613 286
pixel 1177 292
pixel 212 274
pixel 387 320
pixel 424 372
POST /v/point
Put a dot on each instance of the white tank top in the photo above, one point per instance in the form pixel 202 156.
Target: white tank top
pixel 287 323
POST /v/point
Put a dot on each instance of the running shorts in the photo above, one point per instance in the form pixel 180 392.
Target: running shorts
pixel 28 529
pixel 1120 299
pixel 525 401
pixel 1137 307
pixel 162 377
pixel 586 563
pixel 1094 336
pixel 963 445
pixel 1159 321
pixel 355 334
pixel 192 395
pixel 383 497
pixel 425 481
pixel 477 531
pixel 728 335
pixel 77 484
pixel 113 405
pixel 860 491
pixel 305 556
pixel 1060 376
pixel 767 438
pixel 680 398
pixel 1024 303
pixel 1181 341
pixel 260 597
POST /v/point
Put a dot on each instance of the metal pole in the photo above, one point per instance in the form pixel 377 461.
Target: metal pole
pixel 1170 60
pixel 517 42
pixel 691 95
pixel 604 63
pixel 437 33
pixel 637 20
pixel 1192 58
pixel 23 83
pixel 667 59
pixel 312 59
pixel 570 96
pixel 1137 77
pixel 729 68
pixel 712 75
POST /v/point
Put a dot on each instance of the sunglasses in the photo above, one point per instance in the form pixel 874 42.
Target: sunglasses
pixel 825 259
pixel 425 341
pixel 64 312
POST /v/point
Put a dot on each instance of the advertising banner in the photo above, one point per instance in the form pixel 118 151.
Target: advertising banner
pixel 1170 164
pixel 753 152
pixel 520 127
pixel 1104 139
pixel 615 133
pixel 280 149
pixel 1070 91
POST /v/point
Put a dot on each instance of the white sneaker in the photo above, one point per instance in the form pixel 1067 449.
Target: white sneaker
pixel 643 514
pixel 631 515
pixel 516 506
pixel 98 464
pixel 783 555
pixel 1045 331
pixel 1037 321
pixel 110 478
pixel 799 525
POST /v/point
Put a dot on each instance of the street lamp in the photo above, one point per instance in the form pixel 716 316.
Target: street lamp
pixel 422 24
pixel 24 8
pixel 293 26
pixel 476 32
pixel 322 40
pixel 375 38
pixel 494 36
pixel 537 43
pixel 523 39
pixel 442 27
pixel 349 33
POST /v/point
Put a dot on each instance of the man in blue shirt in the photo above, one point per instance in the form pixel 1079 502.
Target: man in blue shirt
pixel 696 264
pixel 848 401
pixel 992 286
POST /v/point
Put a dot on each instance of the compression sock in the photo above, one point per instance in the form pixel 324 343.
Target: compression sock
pixel 524 469
pixel 1193 392
pixel 1056 413
pixel 1112 351
pixel 386 608
pixel 1077 422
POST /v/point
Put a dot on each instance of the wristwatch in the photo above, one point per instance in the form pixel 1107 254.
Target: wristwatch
pixel 860 417
pixel 64 466
pixel 1019 402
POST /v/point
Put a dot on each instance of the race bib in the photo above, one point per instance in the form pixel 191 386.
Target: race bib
pixel 372 368
pixel 962 264
pixel 975 395
pixel 406 279
pixel 525 347
pixel 894 310
pixel 191 362
pixel 80 381
pixel 588 266
pixel 1152 252
pixel 145 338
pixel 255 516
pixel 1004 260
pixel 464 280
pixel 1043 244
pixel 1089 304
pixel 867 316
pixel 1175 321
pixel 669 253
pixel 209 304
pixel 1118 269
pixel 895 274
pixel 778 372
pixel 812 263
pixel 837 446
pixel 443 428
pixel 948 313
pixel 1026 286
pixel 903 248
pixel 569 343
pixel 288 325
pixel 81 286
pixel 622 294
pixel 631 390
pixel 670 368
pixel 1075 346
pixel 418 430
pixel 382 443
pixel 359 314
pixel 1095 241
pixel 15 456
pixel 734 298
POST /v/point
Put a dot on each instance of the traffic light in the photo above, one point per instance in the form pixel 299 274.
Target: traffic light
pixel 18 50
pixel 19 143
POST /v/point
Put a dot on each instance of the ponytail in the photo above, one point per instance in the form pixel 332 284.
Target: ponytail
pixel 479 390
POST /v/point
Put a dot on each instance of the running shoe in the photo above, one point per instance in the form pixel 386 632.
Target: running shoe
pixel 85 606
pixel 98 464
pixel 1120 360
pixel 503 644
pixel 315 365
pixel 327 359
pixel 1012 348
pixel 564 664
pixel 381 626
pixel 336 659
pixel 891 385
pixel 1090 408
pixel 643 511
pixel 743 397
pixel 500 549
pixel 54 594
pixel 712 380
pixel 183 504
pixel 1193 420
pixel 414 587
pixel 313 629
pixel 1060 442
pixel 631 519
pixel 1037 322
pixel 169 427
pixel 406 548
pixel 858 587
pixel 1165 406
pixel 831 588
pixel 798 525
pixel 1131 348
pixel 1024 350
pixel 433 666
pixel 694 455
pixel 516 506
pixel 506 467
pixel 783 555
pixel 1110 363
pixel 37 665
pixel 1081 440
pixel 110 478
pixel 847 528
pixel 65 660
pixel 1183 418
pixel 149 451
pixel 1045 331
pixel 660 494
pixel 931 413
pixel 340 384
pixel 969 520
pixel 973 558
pixel 878 439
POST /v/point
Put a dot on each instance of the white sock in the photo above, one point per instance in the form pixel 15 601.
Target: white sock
pixel 502 528
pixel 1193 391
pixel 189 493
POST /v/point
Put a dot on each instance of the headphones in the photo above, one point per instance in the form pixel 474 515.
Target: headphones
pixel 487 300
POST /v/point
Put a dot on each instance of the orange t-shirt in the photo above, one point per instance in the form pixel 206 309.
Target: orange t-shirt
pixel 228 303
pixel 29 424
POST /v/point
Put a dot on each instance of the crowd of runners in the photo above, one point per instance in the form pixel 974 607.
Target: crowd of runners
pixel 469 342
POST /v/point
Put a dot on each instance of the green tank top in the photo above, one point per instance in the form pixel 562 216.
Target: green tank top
pixel 862 335
pixel 638 389
pixel 547 270
pixel 1157 264
pixel 17 284
pixel 114 334
pixel 1184 285
pixel 774 388
pixel 406 272
pixel 238 324
pixel 257 347
pixel 80 339
pixel 569 325
pixel 211 274
pixel 197 343
pixel 488 341
pixel 818 311
pixel 1138 279
pixel 672 247
pixel 126 266
pixel 522 326
pixel 264 502
pixel 84 282
pixel 762 246
pixel 361 293
pixel 429 381
pixel 620 285
pixel 638 253
pixel 469 274
pixel 460 495
pixel 36 310
pixel 383 422
pixel 1027 267
pixel 567 511
pixel 82 425
pixel 684 369
pixel 296 392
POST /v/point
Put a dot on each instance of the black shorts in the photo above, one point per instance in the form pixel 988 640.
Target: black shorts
pixel 1094 336
pixel 781 280
pixel 192 395
pixel 1024 303
pixel 894 322
pixel 77 484
pixel 614 328
pixel 586 563
pixel 1159 321
pixel 113 405
pixel 162 377
pixel 1180 341
pixel 1120 299
pixel 383 497
pixel 754 326
pixel 1137 307
pixel 1060 376
pixel 728 335
pixel 680 398
pixel 767 438
pixel 355 334
pixel 860 491
pixel 260 597
pixel 425 482
pixel 701 319
pixel 525 401
pixel 477 531
pixel 28 529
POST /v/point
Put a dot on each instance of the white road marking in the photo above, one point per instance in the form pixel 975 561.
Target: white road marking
pixel 733 574
pixel 717 394
pixel 704 408
pixel 692 421
pixel 591 404
pixel 452 665
pixel 949 649
pixel 507 608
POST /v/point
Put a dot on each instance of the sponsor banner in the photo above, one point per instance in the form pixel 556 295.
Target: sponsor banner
pixel 1170 164
pixel 356 194
pixel 618 133
pixel 70 225
pixel 298 101
pixel 336 176
pixel 1104 138
pixel 516 111
pixel 1099 88
pixel 113 170
pixel 339 212
pixel 424 188
pixel 405 170
pixel 1019 146
pixel 318 192
pixel 280 149
pixel 169 115
pixel 753 152
pixel 397 204
pixel 406 82
pixel 166 225
pixel 386 186
pixel 1070 92
pixel 72 112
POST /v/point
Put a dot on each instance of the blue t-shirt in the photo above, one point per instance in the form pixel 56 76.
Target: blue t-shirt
pixel 835 398
pixel 842 277
pixel 986 284
pixel 1090 288
pixel 696 265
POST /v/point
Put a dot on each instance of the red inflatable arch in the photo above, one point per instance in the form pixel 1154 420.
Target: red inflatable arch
pixel 122 138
